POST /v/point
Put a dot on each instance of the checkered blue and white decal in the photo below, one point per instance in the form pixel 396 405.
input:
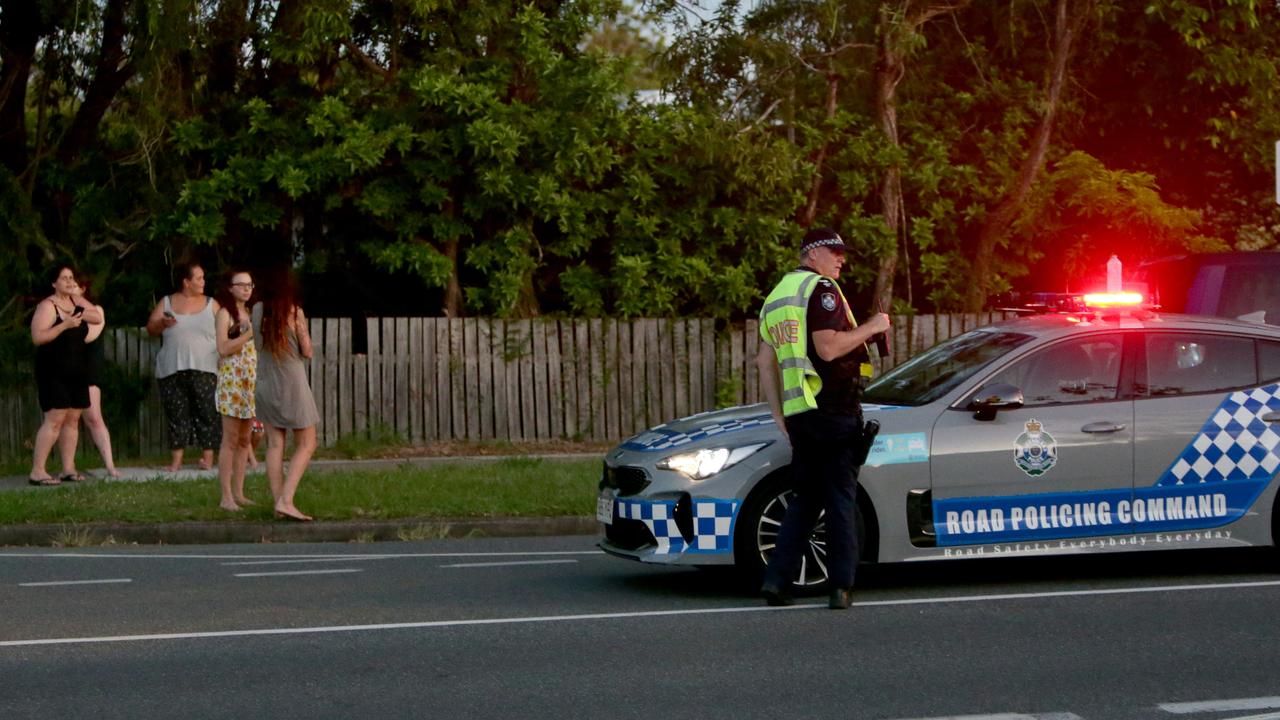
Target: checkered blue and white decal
pixel 713 522
pixel 665 438
pixel 1235 444
pixel 1213 482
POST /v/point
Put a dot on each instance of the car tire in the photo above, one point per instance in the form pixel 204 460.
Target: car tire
pixel 757 530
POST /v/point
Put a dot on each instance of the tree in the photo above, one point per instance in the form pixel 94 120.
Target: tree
pixel 1070 17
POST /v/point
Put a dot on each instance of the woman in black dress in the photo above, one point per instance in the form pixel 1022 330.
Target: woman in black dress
pixel 58 329
pixel 92 416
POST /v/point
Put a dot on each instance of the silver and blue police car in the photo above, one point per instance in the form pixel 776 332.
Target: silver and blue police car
pixel 1092 432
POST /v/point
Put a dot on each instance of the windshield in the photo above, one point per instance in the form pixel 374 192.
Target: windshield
pixel 933 373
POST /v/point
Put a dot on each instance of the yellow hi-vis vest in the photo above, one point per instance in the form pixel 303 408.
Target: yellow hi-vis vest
pixel 783 324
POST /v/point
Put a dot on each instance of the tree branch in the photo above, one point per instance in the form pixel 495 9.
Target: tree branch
pixel 763 116
pixel 365 61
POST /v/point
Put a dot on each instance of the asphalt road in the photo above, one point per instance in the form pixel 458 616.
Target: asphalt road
pixel 550 628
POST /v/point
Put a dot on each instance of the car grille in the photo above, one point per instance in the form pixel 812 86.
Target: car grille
pixel 627 480
pixel 627 534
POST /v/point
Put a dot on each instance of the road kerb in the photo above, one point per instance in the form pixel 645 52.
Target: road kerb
pixel 190 533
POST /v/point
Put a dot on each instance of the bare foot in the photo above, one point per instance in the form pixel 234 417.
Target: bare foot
pixel 112 472
pixel 291 513
pixel 204 465
pixel 230 507
pixel 244 502
pixel 170 468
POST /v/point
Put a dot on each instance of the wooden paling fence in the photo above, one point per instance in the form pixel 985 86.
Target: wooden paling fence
pixel 426 380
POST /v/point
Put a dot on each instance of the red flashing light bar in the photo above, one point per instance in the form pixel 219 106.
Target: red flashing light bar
pixel 1113 299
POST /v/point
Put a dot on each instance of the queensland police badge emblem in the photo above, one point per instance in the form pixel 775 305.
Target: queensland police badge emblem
pixel 1035 451
pixel 828 302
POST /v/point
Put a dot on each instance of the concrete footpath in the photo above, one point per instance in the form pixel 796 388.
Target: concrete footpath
pixel 232 531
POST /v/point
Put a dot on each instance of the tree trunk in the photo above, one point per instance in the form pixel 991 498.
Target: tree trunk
pixel 20 30
pixel 453 289
pixel 1070 17
pixel 112 72
pixel 890 68
pixel 896 24
pixel 229 31
pixel 810 211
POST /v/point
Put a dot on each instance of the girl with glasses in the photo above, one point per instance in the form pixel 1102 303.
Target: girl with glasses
pixel 237 380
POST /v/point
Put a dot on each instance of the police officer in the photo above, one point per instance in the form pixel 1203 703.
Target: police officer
pixel 812 362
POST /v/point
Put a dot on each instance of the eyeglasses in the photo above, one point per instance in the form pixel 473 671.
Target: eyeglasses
pixel 243 285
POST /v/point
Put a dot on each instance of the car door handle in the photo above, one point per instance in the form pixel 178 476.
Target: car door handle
pixel 1271 417
pixel 1102 427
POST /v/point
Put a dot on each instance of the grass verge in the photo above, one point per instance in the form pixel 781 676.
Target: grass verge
pixel 515 487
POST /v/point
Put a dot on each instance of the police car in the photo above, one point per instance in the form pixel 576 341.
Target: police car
pixel 1097 431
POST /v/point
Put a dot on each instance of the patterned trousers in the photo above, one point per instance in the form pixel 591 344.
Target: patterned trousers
pixel 190 408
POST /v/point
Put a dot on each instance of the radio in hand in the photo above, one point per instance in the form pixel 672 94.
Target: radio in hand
pixel 882 340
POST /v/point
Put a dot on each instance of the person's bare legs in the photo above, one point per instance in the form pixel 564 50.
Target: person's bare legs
pixel 255 439
pixel 304 442
pixel 68 436
pixel 175 460
pixel 46 436
pixel 227 461
pixel 206 459
pixel 275 460
pixel 98 430
pixel 243 431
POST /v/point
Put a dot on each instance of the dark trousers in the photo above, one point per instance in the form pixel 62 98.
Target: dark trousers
pixel 191 409
pixel 825 478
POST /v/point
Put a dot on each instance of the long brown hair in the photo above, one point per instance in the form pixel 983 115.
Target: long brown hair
pixel 228 301
pixel 279 297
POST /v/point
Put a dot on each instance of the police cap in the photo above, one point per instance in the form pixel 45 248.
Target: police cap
pixel 822 237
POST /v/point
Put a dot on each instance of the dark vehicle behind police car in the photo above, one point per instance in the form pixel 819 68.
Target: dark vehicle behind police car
pixel 1059 433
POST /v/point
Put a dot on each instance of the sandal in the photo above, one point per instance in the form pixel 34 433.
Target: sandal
pixel 44 482
pixel 72 477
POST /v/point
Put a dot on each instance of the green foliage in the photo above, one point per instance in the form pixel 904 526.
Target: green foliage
pixel 728 391
pixel 446 489
pixel 377 441
pixel 494 157
pixel 1092 212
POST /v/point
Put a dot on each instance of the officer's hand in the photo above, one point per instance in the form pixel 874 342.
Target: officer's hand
pixel 878 323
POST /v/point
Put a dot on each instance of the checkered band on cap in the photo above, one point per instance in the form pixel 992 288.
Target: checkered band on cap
pixel 821 237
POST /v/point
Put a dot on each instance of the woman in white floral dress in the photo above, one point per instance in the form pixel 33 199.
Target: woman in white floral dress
pixel 237 379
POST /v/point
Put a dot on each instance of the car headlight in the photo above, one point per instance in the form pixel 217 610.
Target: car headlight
pixel 702 464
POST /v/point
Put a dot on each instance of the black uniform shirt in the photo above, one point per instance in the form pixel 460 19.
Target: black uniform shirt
pixel 840 377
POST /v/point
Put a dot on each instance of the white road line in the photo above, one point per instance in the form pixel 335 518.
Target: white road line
pixel 1011 716
pixel 76 582
pixel 1263 716
pixel 1235 705
pixel 512 562
pixel 139 556
pixel 605 616
pixel 349 558
pixel 300 572
pixel 1071 593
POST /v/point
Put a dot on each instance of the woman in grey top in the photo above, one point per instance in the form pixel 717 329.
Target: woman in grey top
pixel 283 397
pixel 187 366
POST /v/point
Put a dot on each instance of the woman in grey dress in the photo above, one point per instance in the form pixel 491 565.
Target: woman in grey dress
pixel 283 397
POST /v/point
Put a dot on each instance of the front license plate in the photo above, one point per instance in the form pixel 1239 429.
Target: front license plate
pixel 604 506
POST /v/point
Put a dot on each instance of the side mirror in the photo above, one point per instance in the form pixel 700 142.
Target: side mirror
pixel 991 398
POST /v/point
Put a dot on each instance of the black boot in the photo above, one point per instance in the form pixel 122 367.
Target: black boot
pixel 776 596
pixel 840 598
